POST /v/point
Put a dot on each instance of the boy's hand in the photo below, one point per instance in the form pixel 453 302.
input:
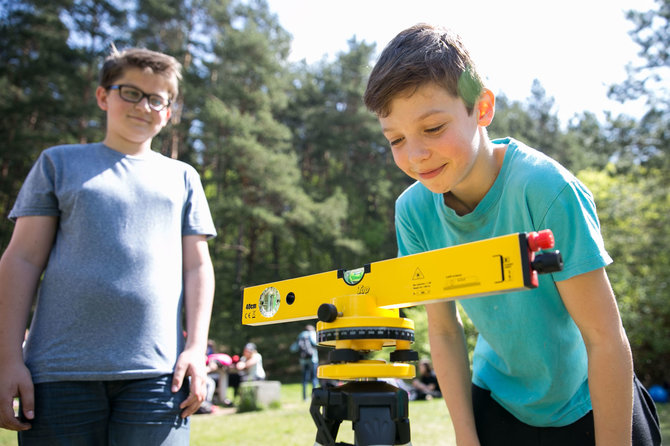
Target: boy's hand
pixel 193 366
pixel 15 381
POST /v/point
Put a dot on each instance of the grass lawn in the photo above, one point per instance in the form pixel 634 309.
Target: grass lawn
pixel 292 425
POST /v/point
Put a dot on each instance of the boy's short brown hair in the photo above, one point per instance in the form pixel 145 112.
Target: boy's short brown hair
pixel 419 55
pixel 118 62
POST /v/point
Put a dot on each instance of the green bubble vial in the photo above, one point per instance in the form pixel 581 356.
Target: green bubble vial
pixel 353 276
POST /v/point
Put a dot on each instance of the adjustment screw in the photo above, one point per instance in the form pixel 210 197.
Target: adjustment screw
pixel 327 313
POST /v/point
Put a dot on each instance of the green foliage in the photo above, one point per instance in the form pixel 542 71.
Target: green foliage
pixel 45 87
pixel 298 175
pixel 247 400
pixel 648 80
pixel 421 342
pixel 418 316
pixel 534 122
pixel 633 209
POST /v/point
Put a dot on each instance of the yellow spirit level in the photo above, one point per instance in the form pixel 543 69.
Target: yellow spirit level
pixel 357 308
pixel 358 313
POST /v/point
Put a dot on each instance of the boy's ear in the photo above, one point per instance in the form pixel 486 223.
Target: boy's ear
pixel 101 97
pixel 485 108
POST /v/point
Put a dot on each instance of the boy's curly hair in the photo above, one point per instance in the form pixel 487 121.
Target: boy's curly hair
pixel 419 55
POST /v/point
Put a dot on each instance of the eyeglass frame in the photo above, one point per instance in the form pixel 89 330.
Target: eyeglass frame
pixel 144 95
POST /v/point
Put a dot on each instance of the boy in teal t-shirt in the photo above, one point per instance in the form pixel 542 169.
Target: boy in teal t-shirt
pixel 552 365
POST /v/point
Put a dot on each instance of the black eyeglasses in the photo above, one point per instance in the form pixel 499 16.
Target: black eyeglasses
pixel 131 94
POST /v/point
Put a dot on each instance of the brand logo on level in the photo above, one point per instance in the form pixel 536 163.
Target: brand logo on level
pixel 363 289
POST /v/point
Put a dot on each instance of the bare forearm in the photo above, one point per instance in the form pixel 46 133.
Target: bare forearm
pixel 199 296
pixel 18 283
pixel 590 301
pixel 452 368
pixel 611 387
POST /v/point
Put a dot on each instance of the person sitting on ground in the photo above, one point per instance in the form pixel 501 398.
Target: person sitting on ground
pixel 250 366
pixel 219 367
pixel 425 386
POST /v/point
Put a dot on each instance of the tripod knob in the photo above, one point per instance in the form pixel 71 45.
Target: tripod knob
pixel 404 356
pixel 344 355
pixel 327 313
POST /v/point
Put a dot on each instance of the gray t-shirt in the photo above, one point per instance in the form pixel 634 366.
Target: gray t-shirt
pixel 109 304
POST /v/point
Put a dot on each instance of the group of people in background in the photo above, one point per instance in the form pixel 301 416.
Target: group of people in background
pixel 225 371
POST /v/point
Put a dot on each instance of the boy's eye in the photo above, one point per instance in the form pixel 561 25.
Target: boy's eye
pixel 394 142
pixel 435 129
pixel 131 93
pixel 156 101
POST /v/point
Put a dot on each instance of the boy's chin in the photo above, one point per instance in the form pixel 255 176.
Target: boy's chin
pixel 433 188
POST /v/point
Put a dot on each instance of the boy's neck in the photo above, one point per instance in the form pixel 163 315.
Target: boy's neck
pixel 489 164
pixel 459 206
pixel 128 148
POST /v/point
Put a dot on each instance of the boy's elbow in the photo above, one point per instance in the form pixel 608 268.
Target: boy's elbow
pixel 613 343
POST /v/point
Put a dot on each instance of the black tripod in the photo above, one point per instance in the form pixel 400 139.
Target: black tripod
pixel 378 412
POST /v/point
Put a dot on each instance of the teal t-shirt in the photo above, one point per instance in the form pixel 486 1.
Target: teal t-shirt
pixel 529 353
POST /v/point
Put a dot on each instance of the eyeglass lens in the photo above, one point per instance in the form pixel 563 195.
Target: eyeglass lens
pixel 134 95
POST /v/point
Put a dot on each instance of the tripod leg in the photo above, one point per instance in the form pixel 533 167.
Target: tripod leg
pixel 375 427
pixel 327 433
pixel 403 437
pixel 378 412
pixel 327 427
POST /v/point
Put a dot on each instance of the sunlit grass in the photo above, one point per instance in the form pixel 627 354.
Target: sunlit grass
pixel 292 425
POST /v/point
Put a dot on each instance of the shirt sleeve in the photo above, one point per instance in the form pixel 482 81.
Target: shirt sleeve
pixel 37 195
pixel 574 222
pixel 197 216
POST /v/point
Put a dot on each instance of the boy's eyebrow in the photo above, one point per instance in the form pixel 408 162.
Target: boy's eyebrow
pixel 130 84
pixel 421 117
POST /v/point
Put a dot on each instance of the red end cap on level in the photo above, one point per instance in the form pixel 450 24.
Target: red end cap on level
pixel 540 240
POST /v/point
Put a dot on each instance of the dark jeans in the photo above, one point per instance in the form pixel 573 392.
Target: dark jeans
pixel 138 412
pixel 497 427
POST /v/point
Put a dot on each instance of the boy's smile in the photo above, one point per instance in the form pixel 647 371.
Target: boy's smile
pixel 431 173
pixel 435 141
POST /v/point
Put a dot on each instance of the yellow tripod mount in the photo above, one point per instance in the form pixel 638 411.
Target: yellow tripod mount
pixel 359 325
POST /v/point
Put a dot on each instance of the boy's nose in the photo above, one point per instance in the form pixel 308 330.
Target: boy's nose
pixel 418 152
pixel 144 104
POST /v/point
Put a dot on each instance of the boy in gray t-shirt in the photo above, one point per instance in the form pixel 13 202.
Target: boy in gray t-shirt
pixel 119 233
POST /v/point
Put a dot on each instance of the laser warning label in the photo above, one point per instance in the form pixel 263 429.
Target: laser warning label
pixel 420 285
